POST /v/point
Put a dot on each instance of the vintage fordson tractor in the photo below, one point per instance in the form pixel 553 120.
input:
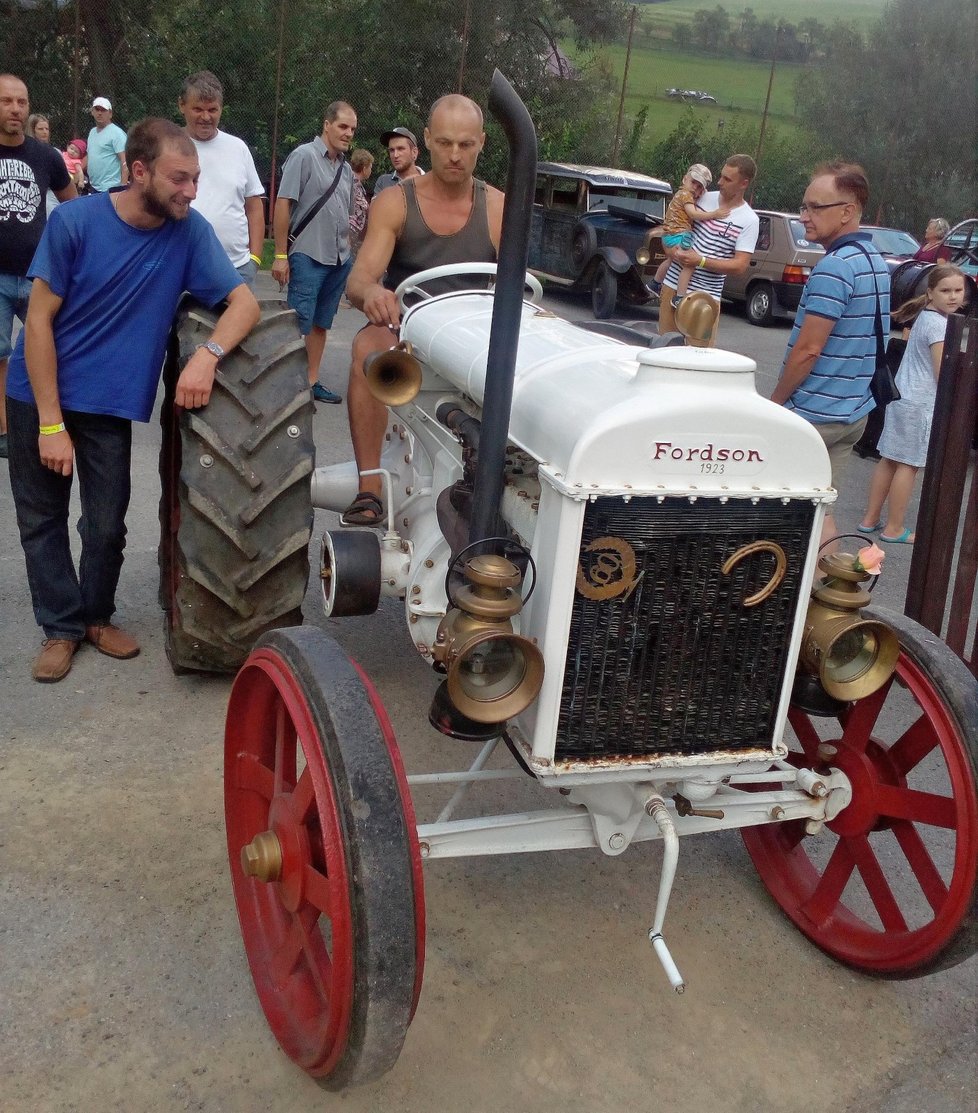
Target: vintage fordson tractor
pixel 607 551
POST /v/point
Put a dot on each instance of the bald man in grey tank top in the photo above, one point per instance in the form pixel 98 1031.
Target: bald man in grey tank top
pixel 447 216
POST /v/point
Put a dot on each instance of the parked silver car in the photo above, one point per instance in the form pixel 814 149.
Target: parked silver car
pixel 779 268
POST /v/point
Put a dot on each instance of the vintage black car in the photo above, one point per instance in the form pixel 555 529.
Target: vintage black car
pixel 598 229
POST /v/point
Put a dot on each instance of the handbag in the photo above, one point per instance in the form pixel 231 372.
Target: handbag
pixel 883 385
pixel 296 231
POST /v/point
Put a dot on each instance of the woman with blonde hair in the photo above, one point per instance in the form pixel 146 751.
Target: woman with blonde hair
pixel 906 429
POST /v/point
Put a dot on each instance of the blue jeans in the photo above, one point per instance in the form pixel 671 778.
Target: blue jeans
pixel 315 290
pixel 66 601
pixel 14 292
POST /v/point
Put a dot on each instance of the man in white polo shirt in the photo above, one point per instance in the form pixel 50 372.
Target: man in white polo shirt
pixel 720 247
pixel 106 149
pixel 229 193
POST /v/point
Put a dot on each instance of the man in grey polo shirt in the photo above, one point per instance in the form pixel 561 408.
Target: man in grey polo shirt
pixel 316 261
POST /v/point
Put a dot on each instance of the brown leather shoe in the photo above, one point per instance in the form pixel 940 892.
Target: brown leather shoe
pixel 112 641
pixel 54 661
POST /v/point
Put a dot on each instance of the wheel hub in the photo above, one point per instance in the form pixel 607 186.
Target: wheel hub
pixel 262 857
pixel 866 772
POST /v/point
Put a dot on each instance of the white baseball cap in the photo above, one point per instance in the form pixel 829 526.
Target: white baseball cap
pixel 102 102
pixel 700 173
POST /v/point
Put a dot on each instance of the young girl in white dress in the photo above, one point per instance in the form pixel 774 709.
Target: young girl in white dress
pixel 906 431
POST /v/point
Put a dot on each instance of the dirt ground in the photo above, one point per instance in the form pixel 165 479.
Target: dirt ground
pixel 123 982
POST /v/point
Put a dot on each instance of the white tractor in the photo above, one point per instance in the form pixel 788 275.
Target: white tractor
pixel 612 572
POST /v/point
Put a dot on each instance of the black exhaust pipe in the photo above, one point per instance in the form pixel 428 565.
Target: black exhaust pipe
pixel 504 332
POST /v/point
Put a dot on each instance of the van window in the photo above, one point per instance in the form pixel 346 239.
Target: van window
pixel 763 233
pixel 564 194
pixel 798 235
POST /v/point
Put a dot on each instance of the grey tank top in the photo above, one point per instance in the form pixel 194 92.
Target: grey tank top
pixel 418 248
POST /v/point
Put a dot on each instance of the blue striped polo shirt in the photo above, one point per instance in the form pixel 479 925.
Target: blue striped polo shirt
pixel 843 287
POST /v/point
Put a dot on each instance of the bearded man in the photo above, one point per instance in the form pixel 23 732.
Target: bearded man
pixel 108 274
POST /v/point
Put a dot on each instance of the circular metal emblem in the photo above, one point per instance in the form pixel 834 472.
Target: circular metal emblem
pixel 606 569
pixel 780 566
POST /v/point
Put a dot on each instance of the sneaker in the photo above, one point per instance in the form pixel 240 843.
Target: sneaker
pixel 321 394
pixel 677 301
pixel 3 446
pixel 112 641
pixel 655 287
pixel 54 661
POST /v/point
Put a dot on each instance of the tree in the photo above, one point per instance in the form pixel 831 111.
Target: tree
pixel 902 103
pixel 389 58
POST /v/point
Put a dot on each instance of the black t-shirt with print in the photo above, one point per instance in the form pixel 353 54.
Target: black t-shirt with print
pixel 27 172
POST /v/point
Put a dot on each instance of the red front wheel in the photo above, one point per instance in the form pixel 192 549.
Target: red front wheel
pixel 891 885
pixel 324 857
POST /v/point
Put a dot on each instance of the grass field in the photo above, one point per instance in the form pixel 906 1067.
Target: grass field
pixel 859 12
pixel 739 84
pixel 736 83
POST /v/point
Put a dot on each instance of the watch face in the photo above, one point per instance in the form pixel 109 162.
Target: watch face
pixel 216 349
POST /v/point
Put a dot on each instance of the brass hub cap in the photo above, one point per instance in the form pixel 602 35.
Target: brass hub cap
pixel 262 857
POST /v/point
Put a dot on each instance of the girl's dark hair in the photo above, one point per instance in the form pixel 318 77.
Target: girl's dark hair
pixel 910 310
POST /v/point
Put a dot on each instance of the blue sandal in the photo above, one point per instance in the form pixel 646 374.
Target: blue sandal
pixel 903 539
pixel 869 529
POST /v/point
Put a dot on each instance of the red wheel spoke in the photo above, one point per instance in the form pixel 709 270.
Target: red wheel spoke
pixel 861 718
pixel 283 961
pixel 825 897
pixel 316 887
pixel 918 807
pixel 304 796
pixel 252 776
pixel 790 834
pixel 915 744
pixel 807 734
pixel 930 881
pixel 877 886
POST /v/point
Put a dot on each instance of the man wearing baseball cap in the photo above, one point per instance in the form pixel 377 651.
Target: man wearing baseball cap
pixel 106 149
pixel 402 149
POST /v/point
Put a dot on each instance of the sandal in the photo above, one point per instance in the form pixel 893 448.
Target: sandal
pixel 869 529
pixel 365 510
pixel 903 539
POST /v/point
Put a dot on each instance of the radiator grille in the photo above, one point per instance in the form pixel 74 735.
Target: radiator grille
pixel 679 665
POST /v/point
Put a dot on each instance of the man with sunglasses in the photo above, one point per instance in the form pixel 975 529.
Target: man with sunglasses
pixel 831 356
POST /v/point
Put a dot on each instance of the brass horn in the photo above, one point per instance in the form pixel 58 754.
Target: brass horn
pixel 696 318
pixel 394 375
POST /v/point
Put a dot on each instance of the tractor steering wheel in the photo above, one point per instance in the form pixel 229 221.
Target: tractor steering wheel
pixel 412 284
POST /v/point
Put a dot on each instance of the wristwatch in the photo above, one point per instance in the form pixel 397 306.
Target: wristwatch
pixel 214 349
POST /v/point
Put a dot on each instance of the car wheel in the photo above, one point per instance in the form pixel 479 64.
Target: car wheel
pixel 604 291
pixel 760 304
pixel 583 246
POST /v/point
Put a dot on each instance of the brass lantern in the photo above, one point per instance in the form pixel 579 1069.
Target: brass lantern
pixel 493 672
pixel 851 656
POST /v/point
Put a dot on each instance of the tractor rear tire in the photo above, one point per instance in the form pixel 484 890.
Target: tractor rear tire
pixel 236 509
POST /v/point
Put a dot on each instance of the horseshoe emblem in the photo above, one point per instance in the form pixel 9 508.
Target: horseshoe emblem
pixel 781 564
pixel 611 571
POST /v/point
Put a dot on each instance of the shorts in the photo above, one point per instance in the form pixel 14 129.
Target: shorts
pixel 15 292
pixel 678 239
pixel 315 290
pixel 248 271
pixel 839 439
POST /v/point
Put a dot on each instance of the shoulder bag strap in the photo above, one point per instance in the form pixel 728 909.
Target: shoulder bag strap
pixel 880 340
pixel 296 232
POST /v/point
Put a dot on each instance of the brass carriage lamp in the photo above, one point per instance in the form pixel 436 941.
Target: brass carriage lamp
pixel 493 672
pixel 850 656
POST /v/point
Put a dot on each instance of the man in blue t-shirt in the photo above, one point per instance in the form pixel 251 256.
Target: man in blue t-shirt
pixel 108 274
pixel 831 354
